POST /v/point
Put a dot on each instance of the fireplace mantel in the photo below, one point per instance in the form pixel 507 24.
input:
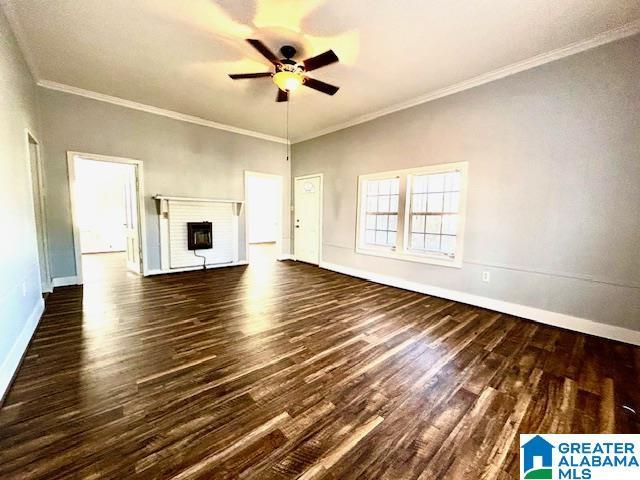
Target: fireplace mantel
pixel 165 199
pixel 195 199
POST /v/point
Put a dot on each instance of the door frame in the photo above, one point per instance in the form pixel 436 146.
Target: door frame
pixel 48 287
pixel 142 231
pixel 320 214
pixel 247 206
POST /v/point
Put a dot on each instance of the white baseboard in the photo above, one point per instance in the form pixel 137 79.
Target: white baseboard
pixel 547 317
pixel 64 281
pixel 12 361
pixel 191 269
pixel 285 256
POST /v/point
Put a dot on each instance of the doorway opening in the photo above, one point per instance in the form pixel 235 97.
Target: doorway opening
pixel 263 204
pixel 108 224
pixel 37 191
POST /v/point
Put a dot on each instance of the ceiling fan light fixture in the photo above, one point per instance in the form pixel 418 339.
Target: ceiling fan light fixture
pixel 290 74
pixel 288 79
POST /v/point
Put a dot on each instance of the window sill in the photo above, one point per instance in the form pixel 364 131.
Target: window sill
pixel 411 257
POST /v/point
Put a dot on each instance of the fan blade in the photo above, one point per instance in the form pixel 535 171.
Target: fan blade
pixel 320 86
pixel 264 50
pixel 321 60
pixel 282 96
pixel 238 76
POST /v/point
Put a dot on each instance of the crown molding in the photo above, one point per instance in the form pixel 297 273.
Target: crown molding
pixel 61 87
pixel 609 36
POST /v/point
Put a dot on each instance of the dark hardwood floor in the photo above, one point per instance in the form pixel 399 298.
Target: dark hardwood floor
pixel 285 370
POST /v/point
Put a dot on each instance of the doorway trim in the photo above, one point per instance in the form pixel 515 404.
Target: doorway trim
pixel 142 231
pixel 247 206
pixel 41 195
pixel 320 218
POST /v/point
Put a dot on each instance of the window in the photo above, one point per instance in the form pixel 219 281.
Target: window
pixel 434 204
pixel 415 214
pixel 381 223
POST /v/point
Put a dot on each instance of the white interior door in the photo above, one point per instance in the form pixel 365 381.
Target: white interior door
pixel 131 221
pixel 307 219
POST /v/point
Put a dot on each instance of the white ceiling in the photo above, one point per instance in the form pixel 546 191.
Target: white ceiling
pixel 175 54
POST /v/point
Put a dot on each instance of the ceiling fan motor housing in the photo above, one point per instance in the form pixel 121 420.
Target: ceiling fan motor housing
pixel 290 66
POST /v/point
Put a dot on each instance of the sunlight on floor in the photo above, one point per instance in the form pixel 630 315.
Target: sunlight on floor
pixel 259 286
pixel 102 274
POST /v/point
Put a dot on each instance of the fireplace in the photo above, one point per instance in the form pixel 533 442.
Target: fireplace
pixel 176 238
pixel 199 236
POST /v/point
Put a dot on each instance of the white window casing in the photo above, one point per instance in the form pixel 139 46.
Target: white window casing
pixel 427 223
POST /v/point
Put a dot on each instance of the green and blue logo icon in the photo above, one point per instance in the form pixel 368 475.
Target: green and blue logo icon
pixel 537 459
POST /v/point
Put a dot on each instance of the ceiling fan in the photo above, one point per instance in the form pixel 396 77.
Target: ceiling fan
pixel 289 74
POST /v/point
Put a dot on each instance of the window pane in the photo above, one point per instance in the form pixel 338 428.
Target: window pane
pixel 417 241
pixel 448 244
pixel 391 238
pixel 382 198
pixel 419 203
pixel 450 224
pixel 393 223
pixel 433 223
pixel 434 202
pixel 393 203
pixel 372 204
pixel 432 243
pixel 381 222
pixel 436 183
pixel 452 182
pixel 371 222
pixel 370 236
pixel 417 223
pixel 419 184
pixel 383 203
pixel 451 202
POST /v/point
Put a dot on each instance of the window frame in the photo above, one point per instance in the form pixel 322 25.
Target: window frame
pixel 400 250
pixel 362 214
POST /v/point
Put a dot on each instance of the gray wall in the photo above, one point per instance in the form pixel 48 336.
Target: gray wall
pixel 179 159
pixel 19 271
pixel 554 184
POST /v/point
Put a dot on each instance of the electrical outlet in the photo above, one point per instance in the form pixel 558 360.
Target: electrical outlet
pixel 486 277
pixel 24 289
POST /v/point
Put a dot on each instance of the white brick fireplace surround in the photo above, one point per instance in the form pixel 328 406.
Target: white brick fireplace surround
pixel 175 212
